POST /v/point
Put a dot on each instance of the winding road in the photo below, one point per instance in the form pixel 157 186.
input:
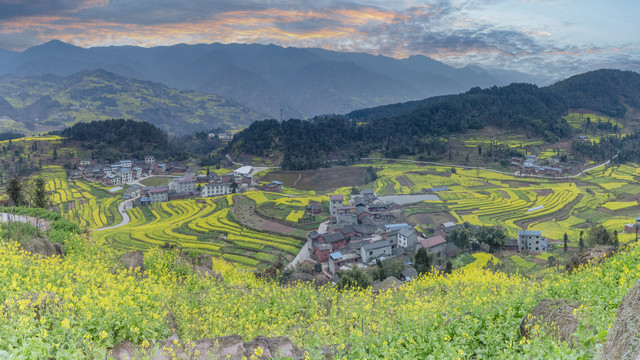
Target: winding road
pixel 125 217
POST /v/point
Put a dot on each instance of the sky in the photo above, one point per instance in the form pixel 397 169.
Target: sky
pixel 554 38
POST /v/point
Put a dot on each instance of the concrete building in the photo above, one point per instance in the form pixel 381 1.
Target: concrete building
pixel 335 201
pixel 532 241
pixel 159 194
pixel 371 251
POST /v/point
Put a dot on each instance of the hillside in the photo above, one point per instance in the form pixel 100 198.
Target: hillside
pixel 266 78
pixel 422 129
pixel 88 301
pixel 49 102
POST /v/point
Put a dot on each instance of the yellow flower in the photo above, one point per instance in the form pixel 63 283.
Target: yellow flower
pixel 65 324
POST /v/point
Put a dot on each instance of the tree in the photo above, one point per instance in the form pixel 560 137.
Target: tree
pixel 599 235
pixel 566 238
pixel 353 279
pixel 40 196
pixel 355 191
pixel 493 236
pixel 15 191
pixel 423 261
pixel 234 187
pixel 460 236
pixel 449 267
pixel 616 241
pixel 55 153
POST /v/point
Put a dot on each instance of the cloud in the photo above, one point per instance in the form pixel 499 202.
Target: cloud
pixel 457 32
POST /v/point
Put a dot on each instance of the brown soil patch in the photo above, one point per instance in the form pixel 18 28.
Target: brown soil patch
pixel 245 212
pixel 321 179
pixel 505 194
pixel 431 218
pixel 275 227
pixel 543 192
pixel 405 181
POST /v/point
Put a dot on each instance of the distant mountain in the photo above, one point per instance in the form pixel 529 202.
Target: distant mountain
pixel 422 128
pixel 267 78
pixel 50 102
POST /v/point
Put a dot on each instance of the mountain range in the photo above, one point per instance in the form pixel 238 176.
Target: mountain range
pixel 42 103
pixel 271 80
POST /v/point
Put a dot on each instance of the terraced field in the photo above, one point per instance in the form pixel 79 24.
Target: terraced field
pixel 85 202
pixel 480 197
pixel 204 226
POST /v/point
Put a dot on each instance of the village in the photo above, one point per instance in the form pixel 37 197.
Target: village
pixel 366 231
pixel 183 184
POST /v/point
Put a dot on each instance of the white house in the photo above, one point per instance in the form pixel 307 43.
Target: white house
pixel 149 160
pixel 215 189
pixel 531 240
pixel 126 163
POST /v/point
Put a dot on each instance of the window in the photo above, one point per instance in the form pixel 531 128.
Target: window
pixel 536 241
pixel 536 249
pixel 371 253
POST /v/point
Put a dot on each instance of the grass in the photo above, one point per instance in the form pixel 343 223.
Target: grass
pixel 156 181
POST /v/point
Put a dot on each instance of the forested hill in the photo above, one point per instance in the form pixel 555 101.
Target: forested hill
pixel 419 127
pixel 49 102
pixel 115 139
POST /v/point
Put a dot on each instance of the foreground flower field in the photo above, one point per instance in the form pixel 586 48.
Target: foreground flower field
pixel 78 306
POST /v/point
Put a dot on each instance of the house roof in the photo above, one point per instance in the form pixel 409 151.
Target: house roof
pixel 244 170
pixel 277 182
pixel 377 245
pixel 409 272
pixel 313 235
pixel 336 198
pixel 529 233
pixel 405 232
pixel 347 229
pixel 367 192
pixel 335 255
pixel 448 224
pixel 391 227
pixel 432 241
pixel 323 247
pixel 333 237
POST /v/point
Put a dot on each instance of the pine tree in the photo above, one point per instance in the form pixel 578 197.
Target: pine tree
pixel 449 267
pixel 15 191
pixel 581 243
pixel 566 238
pixel 41 199
pixel 423 261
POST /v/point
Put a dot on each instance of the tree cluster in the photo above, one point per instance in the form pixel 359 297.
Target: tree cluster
pixel 419 128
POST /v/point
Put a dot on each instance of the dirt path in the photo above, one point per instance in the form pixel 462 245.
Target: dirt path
pixel 298 179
